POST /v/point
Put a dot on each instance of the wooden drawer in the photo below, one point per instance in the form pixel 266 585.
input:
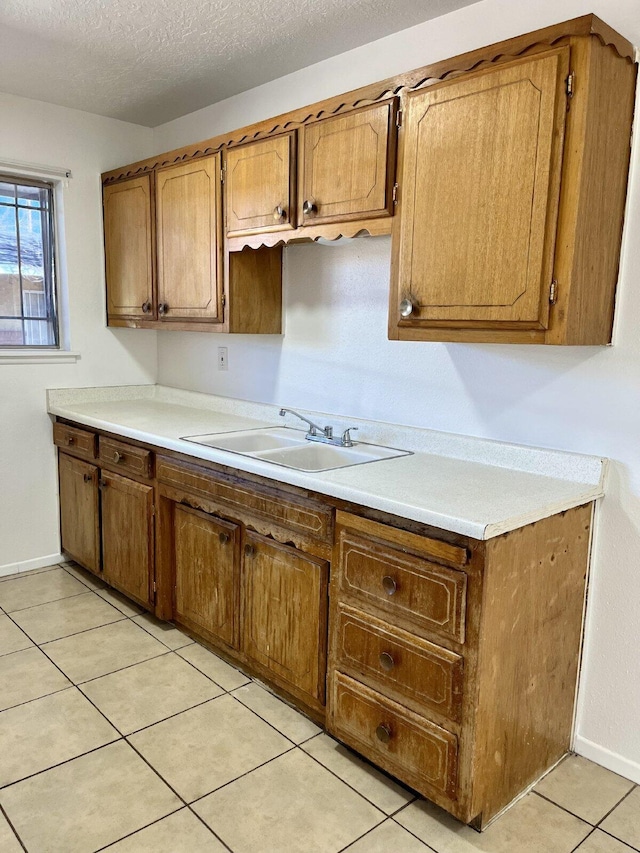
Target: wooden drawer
pixel 400 665
pixel 430 596
pixel 403 743
pixel 125 457
pixel 307 517
pixel 79 442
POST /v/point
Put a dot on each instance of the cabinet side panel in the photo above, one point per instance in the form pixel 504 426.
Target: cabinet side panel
pixel 602 193
pixel 529 652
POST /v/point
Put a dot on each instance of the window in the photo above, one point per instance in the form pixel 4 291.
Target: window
pixel 27 264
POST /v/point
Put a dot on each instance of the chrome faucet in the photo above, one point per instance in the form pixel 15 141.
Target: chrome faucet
pixel 323 434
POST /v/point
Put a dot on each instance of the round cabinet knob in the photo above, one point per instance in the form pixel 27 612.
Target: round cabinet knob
pixel 88 478
pixel 224 538
pixel 386 661
pixel 71 439
pixel 279 213
pixel 309 207
pixel 249 550
pixel 389 585
pixel 146 307
pixel 117 456
pixel 163 308
pixel 406 308
pixel 383 733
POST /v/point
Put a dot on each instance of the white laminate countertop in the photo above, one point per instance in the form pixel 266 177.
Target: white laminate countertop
pixel 471 486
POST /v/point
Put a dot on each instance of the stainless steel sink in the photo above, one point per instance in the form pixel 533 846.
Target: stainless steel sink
pixel 289 447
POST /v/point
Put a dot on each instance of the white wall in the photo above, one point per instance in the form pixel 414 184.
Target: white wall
pixel 335 355
pixel 34 132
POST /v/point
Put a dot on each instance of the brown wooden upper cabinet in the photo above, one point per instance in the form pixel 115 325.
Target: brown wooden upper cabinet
pixel 512 190
pixel 260 186
pixel 128 247
pixel 347 165
pixel 188 226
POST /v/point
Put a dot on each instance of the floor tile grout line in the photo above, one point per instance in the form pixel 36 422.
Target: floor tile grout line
pixel 12 827
pixel 186 660
pixel 333 773
pixel 215 834
pixel 157 772
pixel 53 600
pixel 38 698
pixel 620 801
pixel 173 716
pixel 615 837
pixel 364 835
pixel 29 573
pixel 275 728
pixel 75 633
pixel 580 843
pixel 120 669
pixel 140 829
pixel 406 828
pixel 562 808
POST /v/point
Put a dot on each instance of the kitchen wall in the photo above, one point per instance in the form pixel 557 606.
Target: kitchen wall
pixel 39 133
pixel 335 357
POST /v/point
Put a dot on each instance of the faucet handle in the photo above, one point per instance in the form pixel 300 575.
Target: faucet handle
pixel 346 436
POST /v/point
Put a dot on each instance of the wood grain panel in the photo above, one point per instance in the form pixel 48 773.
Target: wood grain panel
pixel 347 165
pixel 128 536
pixel 284 594
pixel 78 442
pixel 403 587
pixel 313 519
pixel 188 239
pixel 128 247
pixel 479 189
pixel 260 178
pixel 206 580
pixel 79 511
pixel 399 664
pixel 125 457
pixel 418 751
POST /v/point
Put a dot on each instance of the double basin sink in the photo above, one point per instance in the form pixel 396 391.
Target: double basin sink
pixel 291 448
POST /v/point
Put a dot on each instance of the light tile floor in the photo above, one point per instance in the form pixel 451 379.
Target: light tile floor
pixel 119 733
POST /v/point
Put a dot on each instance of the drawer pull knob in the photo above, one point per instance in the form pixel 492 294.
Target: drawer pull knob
pixel 383 733
pixel 163 309
pixel 279 213
pixel 102 483
pixel 249 550
pixel 71 439
pixel 146 307
pixel 309 208
pixel 386 661
pixel 407 308
pixel 224 538
pixel 88 478
pixel 117 456
pixel 389 585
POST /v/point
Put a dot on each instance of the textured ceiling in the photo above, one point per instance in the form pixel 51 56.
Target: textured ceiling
pixel 149 61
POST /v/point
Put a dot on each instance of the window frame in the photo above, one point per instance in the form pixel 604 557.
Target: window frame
pixel 50 265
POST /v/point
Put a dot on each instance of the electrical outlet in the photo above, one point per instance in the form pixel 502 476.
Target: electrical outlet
pixel 223 358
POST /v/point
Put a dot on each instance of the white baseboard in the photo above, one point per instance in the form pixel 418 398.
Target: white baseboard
pixel 27 565
pixel 611 760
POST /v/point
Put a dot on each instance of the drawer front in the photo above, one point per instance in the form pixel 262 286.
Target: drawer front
pixel 399 664
pixel 431 596
pixel 305 516
pixel 125 457
pixel 78 442
pixel 403 743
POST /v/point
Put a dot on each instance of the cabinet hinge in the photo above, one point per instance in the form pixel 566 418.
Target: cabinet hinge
pixel 399 118
pixel 155 587
pixel 223 300
pixel 153 510
pixel 553 292
pixel 394 195
pixel 571 82
pixel 223 169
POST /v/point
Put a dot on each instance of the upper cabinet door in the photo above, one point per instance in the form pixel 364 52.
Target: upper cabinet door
pixel 481 163
pixel 347 166
pixel 128 248
pixel 188 226
pixel 259 186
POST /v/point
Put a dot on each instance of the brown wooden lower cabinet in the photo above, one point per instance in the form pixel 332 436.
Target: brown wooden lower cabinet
pixel 80 511
pixel 127 536
pixel 449 662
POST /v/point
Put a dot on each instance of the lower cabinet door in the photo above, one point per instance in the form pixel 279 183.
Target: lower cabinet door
pixel 206 556
pixel 128 536
pixel 79 511
pixel 285 613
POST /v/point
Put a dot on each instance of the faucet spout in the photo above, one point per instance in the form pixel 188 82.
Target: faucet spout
pixel 314 429
pixel 324 434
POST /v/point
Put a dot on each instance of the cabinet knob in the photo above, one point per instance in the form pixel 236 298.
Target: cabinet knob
pixel 102 483
pixel 406 308
pixel 279 213
pixel 146 307
pixel 383 733
pixel 249 550
pixel 386 661
pixel 88 478
pixel 117 456
pixel 224 538
pixel 71 439
pixel 163 309
pixel 389 585
pixel 309 207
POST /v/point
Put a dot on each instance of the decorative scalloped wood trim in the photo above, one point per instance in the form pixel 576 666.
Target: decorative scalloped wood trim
pixel 587 25
pixel 309 234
